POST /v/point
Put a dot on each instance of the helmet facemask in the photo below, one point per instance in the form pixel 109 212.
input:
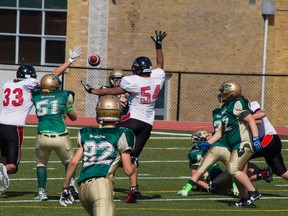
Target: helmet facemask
pixel 199 136
pixel 115 77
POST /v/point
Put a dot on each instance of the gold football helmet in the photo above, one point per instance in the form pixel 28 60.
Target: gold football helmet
pixel 229 91
pixel 199 136
pixel 50 83
pixel 108 109
pixel 117 73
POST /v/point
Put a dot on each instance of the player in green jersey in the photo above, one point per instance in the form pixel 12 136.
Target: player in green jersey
pixel 101 150
pixel 114 79
pixel 52 106
pixel 240 129
pixel 213 176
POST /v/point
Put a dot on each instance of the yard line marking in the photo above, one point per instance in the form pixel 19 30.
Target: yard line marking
pixel 142 161
pixel 123 178
pixel 163 138
pixel 158 200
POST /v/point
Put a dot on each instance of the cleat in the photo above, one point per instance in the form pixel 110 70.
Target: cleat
pixel 183 193
pixel 4 179
pixel 269 175
pixel 185 190
pixel 240 203
pixel 252 197
pixel 42 196
pixel 133 195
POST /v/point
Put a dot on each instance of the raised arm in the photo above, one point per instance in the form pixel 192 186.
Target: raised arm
pixel 73 56
pixel 159 53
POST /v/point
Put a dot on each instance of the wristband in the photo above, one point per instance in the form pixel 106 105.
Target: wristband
pixel 69 108
pixel 158 45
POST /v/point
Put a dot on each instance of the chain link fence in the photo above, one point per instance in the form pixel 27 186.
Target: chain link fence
pixel 186 96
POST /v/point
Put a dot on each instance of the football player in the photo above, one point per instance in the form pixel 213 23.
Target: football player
pixel 52 105
pixel 114 79
pixel 214 180
pixel 143 88
pixel 270 142
pixel 16 107
pixel 102 150
pixel 239 127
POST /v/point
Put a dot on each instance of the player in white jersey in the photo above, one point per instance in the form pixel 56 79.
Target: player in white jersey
pixel 143 88
pixel 17 104
pixel 270 141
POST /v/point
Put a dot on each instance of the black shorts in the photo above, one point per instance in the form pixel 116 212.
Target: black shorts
pixel 11 138
pixel 272 147
pixel 142 131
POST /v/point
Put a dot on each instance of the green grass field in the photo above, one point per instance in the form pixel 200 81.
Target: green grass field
pixel 163 171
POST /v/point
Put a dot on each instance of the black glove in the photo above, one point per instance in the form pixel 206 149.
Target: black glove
pixel 134 160
pixel 87 87
pixel 158 39
pixel 66 197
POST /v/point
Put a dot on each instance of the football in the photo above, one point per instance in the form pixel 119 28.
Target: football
pixel 94 60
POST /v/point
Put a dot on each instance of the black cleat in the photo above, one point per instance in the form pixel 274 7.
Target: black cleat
pixel 240 203
pixel 269 175
pixel 252 197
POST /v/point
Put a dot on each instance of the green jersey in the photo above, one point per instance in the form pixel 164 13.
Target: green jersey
pixel 101 150
pixel 237 130
pixel 51 110
pixel 217 123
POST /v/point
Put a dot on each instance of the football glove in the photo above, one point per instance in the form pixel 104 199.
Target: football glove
pixel 87 87
pixel 204 145
pixel 66 197
pixel 134 160
pixel 158 39
pixel 75 54
pixel 257 144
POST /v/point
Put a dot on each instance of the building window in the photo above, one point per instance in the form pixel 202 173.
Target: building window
pixel 36 32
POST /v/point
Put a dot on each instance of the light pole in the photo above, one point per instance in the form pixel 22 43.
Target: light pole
pixel 268 8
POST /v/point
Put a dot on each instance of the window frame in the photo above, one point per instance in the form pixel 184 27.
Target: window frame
pixel 43 37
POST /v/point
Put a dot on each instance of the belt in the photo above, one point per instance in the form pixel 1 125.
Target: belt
pixel 90 179
pixel 53 135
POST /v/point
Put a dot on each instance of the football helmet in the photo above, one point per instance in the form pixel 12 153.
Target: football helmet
pixel 229 91
pixel 50 83
pixel 141 65
pixel 199 136
pixel 26 71
pixel 117 73
pixel 108 109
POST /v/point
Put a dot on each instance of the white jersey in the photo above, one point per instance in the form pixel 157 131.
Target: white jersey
pixel 143 92
pixel 16 99
pixel 268 128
